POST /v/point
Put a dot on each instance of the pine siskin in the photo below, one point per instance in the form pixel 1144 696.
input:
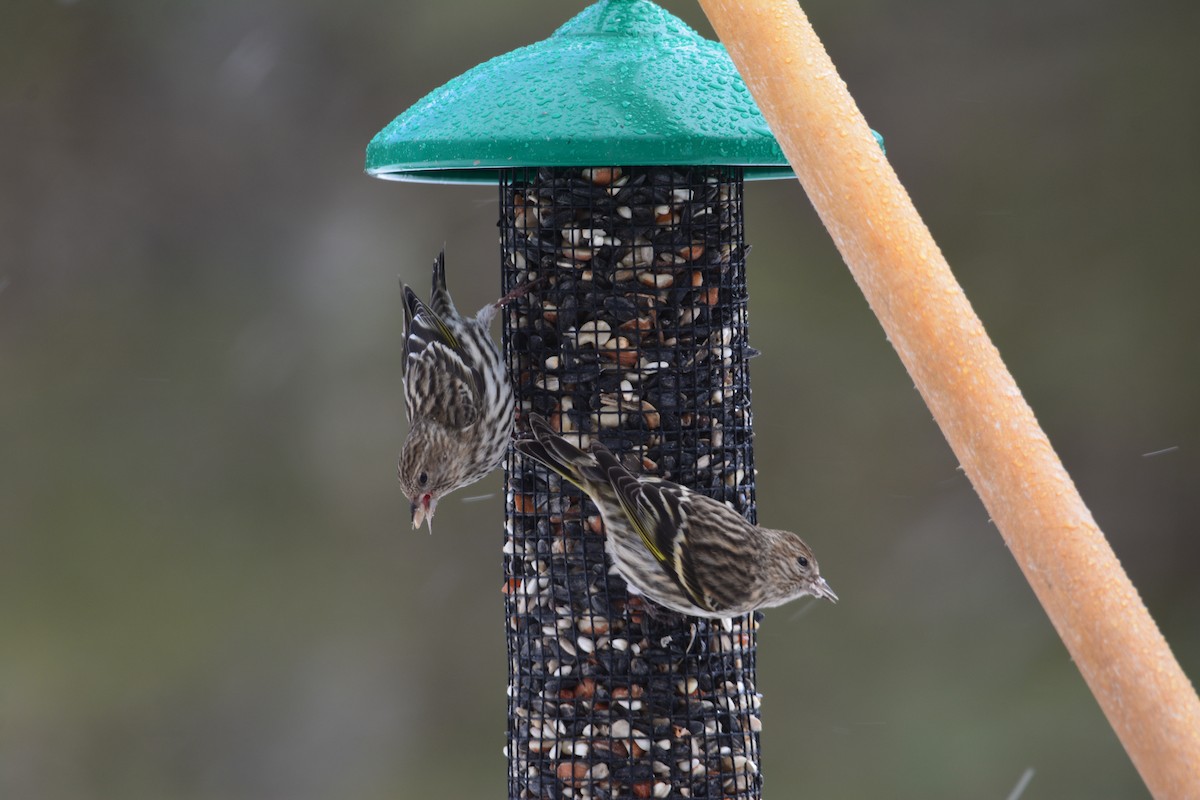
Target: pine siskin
pixel 681 549
pixel 457 397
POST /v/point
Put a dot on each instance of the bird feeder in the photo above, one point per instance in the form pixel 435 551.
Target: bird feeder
pixel 620 145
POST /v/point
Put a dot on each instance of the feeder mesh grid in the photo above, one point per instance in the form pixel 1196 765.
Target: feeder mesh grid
pixel 635 335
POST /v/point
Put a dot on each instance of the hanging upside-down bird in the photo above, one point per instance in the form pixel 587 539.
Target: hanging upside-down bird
pixel 457 396
pixel 677 547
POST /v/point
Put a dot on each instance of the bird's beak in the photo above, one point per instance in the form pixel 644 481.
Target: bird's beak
pixel 821 589
pixel 423 512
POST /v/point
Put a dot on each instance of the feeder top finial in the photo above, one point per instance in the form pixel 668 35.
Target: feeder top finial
pixel 625 18
pixel 622 82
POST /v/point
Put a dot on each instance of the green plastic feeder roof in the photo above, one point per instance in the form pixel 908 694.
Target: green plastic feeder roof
pixel 624 82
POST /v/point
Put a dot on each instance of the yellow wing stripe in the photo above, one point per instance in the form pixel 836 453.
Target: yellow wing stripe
pixel 634 520
pixel 445 332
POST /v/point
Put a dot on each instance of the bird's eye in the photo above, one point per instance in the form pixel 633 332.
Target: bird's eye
pixel 802 561
pixel 423 478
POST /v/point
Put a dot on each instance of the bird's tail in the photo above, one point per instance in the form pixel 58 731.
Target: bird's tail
pixel 559 455
pixel 412 305
pixel 439 297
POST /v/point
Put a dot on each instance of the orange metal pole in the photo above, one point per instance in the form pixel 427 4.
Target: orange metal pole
pixel 1065 557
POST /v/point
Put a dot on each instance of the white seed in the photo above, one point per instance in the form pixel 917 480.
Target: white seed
pixel 609 419
pixel 619 343
pixel 539 745
pixel 662 789
pixel 580 440
pixel 643 256
pixel 745 764
pixel 738 784
pixel 657 280
pixel 594 332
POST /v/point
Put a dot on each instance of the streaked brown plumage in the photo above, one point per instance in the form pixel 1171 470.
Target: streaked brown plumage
pixel 681 549
pixel 457 397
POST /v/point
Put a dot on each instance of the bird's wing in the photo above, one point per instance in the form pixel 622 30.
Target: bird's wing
pixel 718 571
pixel 438 383
pixel 422 325
pixel 655 510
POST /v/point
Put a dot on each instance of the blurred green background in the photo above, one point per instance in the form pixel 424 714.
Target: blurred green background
pixel 208 587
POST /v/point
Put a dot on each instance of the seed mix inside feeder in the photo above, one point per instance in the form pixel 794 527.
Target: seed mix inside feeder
pixel 635 336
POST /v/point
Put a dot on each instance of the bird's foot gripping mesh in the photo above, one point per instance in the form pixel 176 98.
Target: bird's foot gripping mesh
pixel 635 335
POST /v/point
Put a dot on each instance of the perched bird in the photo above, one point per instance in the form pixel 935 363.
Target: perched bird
pixel 677 547
pixel 457 396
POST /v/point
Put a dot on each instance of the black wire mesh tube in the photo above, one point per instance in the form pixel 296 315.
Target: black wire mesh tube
pixel 636 336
